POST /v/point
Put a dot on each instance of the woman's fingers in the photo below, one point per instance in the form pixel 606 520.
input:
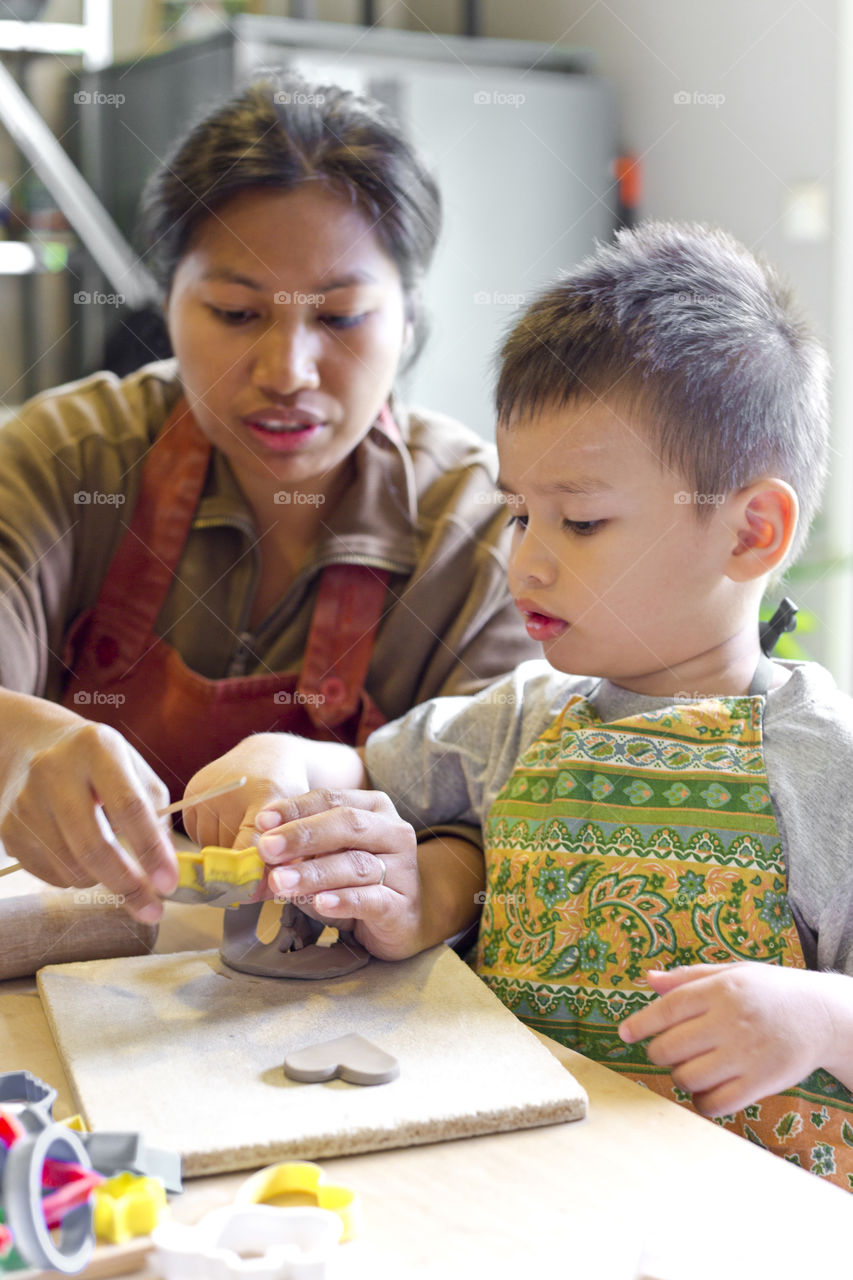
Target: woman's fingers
pixel 347 856
pixel 354 868
pixel 327 821
pixel 77 797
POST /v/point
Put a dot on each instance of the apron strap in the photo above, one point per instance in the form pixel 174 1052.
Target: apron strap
pixel 763 677
pixel 346 616
pixel 784 619
pixel 141 571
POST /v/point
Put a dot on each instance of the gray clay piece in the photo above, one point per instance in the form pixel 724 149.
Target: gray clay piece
pixel 287 956
pixel 217 893
pixel 352 1058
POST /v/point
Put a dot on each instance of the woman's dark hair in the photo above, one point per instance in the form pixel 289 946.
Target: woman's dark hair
pixel 279 137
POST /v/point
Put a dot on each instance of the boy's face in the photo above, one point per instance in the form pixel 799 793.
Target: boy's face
pixel 610 566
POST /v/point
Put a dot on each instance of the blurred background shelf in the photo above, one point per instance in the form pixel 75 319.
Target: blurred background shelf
pixel 521 135
pixel 70 217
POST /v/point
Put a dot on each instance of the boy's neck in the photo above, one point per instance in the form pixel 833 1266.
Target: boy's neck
pixel 726 670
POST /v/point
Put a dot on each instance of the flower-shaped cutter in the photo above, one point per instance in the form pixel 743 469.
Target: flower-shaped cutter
pixel 293 1244
pixel 272 1186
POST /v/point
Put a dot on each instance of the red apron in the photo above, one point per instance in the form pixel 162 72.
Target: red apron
pixel 124 675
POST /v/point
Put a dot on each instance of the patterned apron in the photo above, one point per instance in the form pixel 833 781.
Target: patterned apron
pixel 647 842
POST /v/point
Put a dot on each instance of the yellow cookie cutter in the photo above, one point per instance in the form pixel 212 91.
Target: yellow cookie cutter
pixel 214 865
pixel 127 1206
pixel 281 1184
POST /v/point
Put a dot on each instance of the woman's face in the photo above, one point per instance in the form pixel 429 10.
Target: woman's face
pixel 288 321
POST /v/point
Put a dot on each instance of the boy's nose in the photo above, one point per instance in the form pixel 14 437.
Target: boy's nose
pixel 530 562
pixel 286 360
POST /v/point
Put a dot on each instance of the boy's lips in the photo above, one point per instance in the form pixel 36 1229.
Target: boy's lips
pixel 540 626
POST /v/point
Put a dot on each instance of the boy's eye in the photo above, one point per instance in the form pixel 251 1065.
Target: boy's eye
pixel 583 528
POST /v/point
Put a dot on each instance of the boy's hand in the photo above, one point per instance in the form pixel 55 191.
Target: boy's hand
pixel 274 765
pixel 734 1033
pixel 350 859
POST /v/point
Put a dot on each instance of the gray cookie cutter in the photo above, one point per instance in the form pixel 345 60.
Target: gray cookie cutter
pixel 30 1098
pixel 115 1152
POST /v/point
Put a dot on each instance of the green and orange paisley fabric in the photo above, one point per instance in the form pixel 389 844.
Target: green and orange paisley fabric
pixel 647 842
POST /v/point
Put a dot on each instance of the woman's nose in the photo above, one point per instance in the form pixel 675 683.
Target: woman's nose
pixel 286 359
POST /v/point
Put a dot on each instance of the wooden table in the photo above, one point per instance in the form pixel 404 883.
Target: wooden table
pixel 641 1187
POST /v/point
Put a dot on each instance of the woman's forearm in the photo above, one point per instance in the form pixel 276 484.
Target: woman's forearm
pixel 452 877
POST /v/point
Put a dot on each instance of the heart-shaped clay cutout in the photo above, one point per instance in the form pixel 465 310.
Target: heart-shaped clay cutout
pixel 351 1057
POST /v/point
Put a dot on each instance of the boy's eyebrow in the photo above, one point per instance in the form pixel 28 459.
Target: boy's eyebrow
pixel 579 485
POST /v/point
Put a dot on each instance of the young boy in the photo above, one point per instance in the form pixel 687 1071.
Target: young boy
pixel 667 850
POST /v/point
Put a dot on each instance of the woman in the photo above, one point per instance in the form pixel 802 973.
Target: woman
pixel 247 538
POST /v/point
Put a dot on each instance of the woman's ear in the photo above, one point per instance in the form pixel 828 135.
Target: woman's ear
pixel 763 518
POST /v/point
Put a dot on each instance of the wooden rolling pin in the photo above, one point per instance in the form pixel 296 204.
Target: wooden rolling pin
pixel 56 926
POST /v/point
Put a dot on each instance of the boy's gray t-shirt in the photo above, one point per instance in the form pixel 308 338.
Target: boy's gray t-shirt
pixel 447 759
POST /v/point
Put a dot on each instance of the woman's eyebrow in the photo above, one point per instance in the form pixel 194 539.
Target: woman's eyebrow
pixel 230 276
pixel 348 281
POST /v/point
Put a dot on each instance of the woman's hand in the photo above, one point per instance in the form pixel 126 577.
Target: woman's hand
pixel 275 765
pixel 347 858
pixel 62 775
pixel 735 1033
pixel 350 859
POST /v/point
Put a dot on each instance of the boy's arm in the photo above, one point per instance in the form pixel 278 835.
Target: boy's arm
pixel 735 1033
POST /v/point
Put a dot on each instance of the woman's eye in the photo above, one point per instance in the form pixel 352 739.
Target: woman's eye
pixel 583 528
pixel 517 519
pixel 343 322
pixel 235 316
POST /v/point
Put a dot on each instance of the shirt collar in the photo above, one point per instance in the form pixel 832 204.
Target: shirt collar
pixel 375 521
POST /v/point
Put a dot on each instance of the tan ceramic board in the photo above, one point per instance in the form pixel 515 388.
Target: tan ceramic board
pixel 190 1053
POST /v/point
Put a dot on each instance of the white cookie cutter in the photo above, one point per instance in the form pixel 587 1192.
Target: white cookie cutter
pixel 249 1242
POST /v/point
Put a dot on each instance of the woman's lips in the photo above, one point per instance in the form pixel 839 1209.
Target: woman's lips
pixel 540 626
pixel 283 432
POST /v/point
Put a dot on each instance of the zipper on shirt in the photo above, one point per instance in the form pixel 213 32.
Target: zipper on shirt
pixel 243 654
pixel 316 568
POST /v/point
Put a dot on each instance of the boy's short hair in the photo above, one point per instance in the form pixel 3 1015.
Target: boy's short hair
pixel 683 325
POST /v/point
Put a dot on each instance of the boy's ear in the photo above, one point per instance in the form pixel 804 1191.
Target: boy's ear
pixel 763 517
